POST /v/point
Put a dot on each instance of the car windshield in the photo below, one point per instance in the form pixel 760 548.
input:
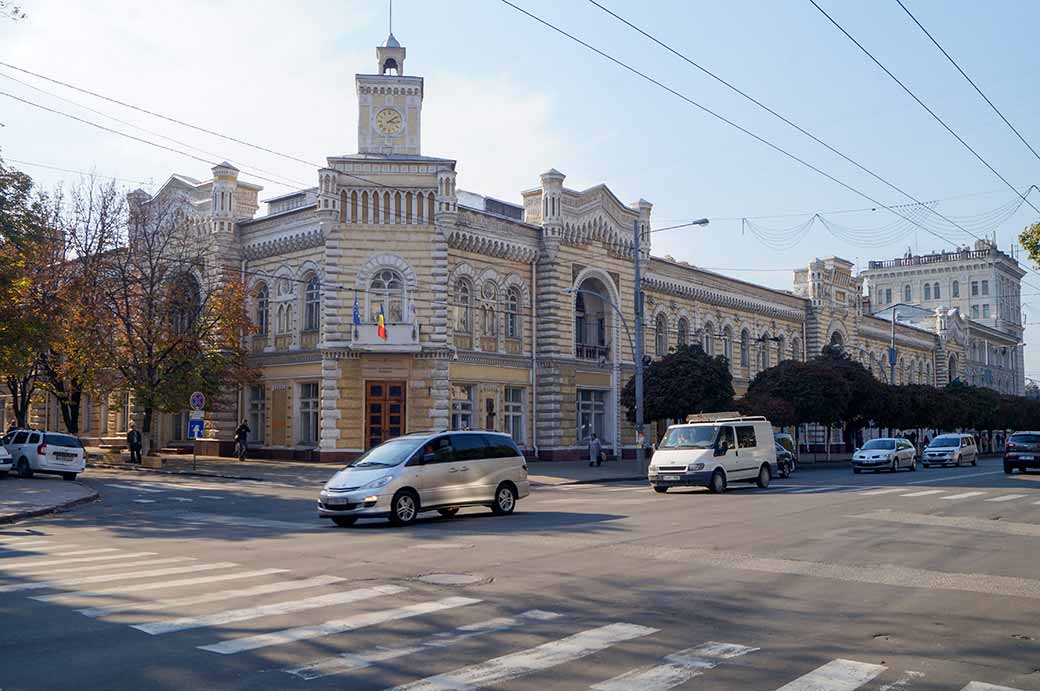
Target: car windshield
pixel 388 454
pixel 62 440
pixel 700 437
pixel 945 442
pixel 1024 439
pixel 879 444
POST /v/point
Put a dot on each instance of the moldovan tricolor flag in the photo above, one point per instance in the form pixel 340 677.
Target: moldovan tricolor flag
pixel 381 324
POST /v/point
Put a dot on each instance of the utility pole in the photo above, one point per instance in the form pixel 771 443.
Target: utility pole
pixel 892 350
pixel 640 456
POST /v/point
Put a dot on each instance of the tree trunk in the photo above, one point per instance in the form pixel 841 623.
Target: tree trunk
pixel 21 392
pixel 70 405
pixel 146 431
pixel 827 441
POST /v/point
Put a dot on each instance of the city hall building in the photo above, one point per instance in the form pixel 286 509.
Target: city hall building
pixel 498 315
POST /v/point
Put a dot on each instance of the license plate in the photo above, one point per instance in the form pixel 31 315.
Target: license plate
pixel 1028 458
pixel 336 501
pixel 670 478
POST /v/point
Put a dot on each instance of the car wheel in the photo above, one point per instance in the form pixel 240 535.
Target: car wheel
pixel 913 464
pixel 505 500
pixel 975 461
pixel 404 507
pixel 448 513
pixel 1008 469
pixel 660 490
pixel 856 471
pixel 68 476
pixel 718 482
pixel 764 476
pixel 344 521
pixel 24 469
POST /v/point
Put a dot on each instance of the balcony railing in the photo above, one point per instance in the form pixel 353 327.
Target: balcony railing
pixel 399 338
pixel 933 258
pixel 586 351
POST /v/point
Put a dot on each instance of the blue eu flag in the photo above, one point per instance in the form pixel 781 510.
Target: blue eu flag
pixel 357 311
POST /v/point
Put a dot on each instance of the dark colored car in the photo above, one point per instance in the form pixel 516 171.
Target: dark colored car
pixel 785 462
pixel 1022 451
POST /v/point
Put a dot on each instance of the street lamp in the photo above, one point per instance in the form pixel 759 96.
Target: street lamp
pixel 638 287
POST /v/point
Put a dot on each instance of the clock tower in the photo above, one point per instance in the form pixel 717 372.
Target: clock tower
pixel 389 105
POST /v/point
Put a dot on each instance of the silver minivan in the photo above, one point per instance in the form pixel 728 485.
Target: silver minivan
pixel 427 471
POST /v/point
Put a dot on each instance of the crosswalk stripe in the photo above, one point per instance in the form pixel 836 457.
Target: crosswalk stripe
pixel 923 493
pixel 357 621
pixel 812 490
pixel 981 686
pixel 836 675
pixel 886 490
pixel 34 545
pixel 181 499
pixel 234 593
pixel 678 668
pixel 143 501
pixel 162 585
pixel 115 576
pixel 18 564
pixel 248 522
pixel 135 488
pixel 349 662
pixel 1009 497
pixel 79 568
pixel 545 656
pixel 210 496
pixel 273 609
pixel 964 495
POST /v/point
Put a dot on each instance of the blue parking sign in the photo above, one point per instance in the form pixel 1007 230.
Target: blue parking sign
pixel 195 428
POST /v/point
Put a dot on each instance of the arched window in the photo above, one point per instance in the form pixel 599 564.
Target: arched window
pixel 837 339
pixel 952 368
pixel 185 303
pixel 661 346
pixel 796 349
pixel 907 294
pixel 386 292
pixel 709 338
pixel 780 350
pixel 312 305
pixel 763 352
pixel 928 373
pixel 927 291
pixel 682 328
pixel 935 291
pixel 513 313
pixel 745 348
pixel 955 289
pixel 727 343
pixel 263 309
pixel 464 305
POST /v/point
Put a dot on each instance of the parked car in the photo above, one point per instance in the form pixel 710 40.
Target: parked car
pixel 787 441
pixel 1022 451
pixel 36 451
pixel 714 453
pixel 784 461
pixel 951 449
pixel 886 453
pixel 5 461
pixel 442 471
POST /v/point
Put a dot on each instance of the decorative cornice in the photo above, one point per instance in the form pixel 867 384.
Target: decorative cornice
pixel 721 299
pixel 490 246
pixel 283 245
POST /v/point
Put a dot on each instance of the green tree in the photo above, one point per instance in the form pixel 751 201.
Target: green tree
pixel 681 383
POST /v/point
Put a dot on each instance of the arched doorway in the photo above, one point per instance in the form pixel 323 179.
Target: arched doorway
pixel 952 369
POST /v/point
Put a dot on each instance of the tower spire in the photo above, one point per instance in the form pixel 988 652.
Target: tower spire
pixel 391 16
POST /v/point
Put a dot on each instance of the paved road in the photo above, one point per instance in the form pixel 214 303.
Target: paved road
pixel 826 582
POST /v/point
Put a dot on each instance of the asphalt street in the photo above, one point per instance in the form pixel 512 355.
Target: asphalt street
pixel 827 581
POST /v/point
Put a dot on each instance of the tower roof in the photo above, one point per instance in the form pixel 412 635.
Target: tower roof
pixel 391 42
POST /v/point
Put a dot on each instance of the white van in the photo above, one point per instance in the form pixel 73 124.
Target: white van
pixel 713 452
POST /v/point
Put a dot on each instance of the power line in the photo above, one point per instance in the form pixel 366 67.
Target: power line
pixel 921 103
pixel 80 172
pixel 970 80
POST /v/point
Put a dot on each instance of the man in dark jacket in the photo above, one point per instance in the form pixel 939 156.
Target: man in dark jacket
pixel 133 441
pixel 242 439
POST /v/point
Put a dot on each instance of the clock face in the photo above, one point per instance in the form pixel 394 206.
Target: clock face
pixel 388 121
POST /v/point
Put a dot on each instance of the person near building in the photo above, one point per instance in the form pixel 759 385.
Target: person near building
pixel 134 442
pixel 242 439
pixel 595 451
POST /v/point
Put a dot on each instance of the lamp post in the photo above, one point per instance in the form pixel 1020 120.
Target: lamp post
pixel 892 349
pixel 638 286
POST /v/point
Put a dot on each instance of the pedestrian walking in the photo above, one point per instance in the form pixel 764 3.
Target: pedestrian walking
pixel 595 451
pixel 133 442
pixel 242 439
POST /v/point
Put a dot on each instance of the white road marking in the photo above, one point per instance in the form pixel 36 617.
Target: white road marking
pixel 1009 497
pixel 902 682
pixel 964 495
pixel 210 496
pixel 180 499
pixel 836 675
pixel 887 490
pixel 143 501
pixel 114 577
pixel 232 594
pixel 135 488
pixel 79 568
pixel 924 493
pixel 945 478
pixel 678 668
pixel 983 525
pixel 270 610
pixel 545 656
pixel 141 587
pixel 248 522
pixel 17 564
pixel 34 545
pixel 74 552
pixel 980 686
pixel 349 662
pixel 329 628
pixel 811 490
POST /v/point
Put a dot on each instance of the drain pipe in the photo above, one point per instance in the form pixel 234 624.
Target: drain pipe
pixel 534 356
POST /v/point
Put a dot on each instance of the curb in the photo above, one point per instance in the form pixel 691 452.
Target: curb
pixel 602 480
pixel 7 519
pixel 193 473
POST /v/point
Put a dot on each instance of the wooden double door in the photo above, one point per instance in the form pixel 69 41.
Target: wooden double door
pixel 384 411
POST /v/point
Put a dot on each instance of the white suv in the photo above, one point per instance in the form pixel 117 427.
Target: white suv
pixel 5 461
pixel 36 451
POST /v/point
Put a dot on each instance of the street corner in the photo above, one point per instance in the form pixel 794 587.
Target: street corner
pixel 26 498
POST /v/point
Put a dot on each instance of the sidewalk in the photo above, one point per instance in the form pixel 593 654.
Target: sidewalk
pixel 579 472
pixel 21 499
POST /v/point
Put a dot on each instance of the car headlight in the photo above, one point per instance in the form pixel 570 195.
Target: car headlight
pixel 696 466
pixel 381 482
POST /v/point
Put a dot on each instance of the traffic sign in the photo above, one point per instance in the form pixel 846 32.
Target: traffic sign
pixel 196 414
pixel 197 400
pixel 195 428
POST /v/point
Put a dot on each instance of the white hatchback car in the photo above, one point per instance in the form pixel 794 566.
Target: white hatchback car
pixel 35 451
pixel 886 453
pixel 5 461
pixel 439 471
